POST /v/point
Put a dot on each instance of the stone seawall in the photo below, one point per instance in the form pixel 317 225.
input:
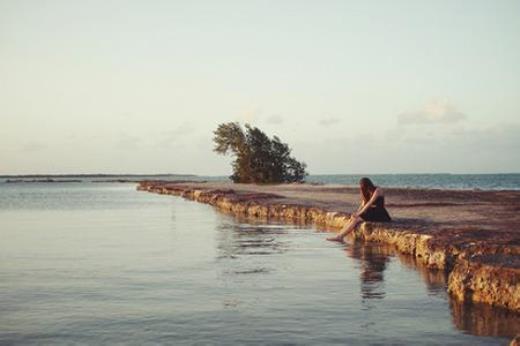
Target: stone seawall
pixel 482 265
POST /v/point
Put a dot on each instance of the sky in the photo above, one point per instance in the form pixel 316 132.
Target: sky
pixel 354 87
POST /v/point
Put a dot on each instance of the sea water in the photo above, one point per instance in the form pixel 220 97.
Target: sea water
pixel 510 181
pixel 84 263
pixel 428 181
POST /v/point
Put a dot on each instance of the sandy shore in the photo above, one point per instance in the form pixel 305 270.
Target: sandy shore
pixel 474 236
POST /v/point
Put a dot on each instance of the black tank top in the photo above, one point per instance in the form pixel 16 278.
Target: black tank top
pixel 379 202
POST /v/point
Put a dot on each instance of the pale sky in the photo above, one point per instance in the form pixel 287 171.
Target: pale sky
pixel 353 86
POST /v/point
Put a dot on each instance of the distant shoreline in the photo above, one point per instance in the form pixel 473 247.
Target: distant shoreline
pixel 41 176
pixel 92 178
pixel 444 181
pixel 108 175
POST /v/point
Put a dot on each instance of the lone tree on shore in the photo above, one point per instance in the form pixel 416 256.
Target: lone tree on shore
pixel 258 158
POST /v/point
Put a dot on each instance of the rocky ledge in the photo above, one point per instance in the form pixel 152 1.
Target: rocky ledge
pixel 474 236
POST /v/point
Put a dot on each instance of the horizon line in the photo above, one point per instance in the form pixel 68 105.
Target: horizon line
pixel 226 175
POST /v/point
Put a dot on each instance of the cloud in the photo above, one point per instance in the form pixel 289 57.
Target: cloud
pixel 434 112
pixel 249 115
pixel 437 149
pixel 329 121
pixel 275 119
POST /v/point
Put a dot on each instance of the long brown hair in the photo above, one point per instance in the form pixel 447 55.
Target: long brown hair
pixel 367 188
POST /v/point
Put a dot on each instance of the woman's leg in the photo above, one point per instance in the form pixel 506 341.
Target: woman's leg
pixel 349 227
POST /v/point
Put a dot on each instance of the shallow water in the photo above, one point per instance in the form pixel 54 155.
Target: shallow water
pixel 103 263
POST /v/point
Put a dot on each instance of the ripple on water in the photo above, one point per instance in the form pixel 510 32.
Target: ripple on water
pixel 106 264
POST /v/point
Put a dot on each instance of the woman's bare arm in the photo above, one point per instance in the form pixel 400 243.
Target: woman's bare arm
pixel 361 205
pixel 378 192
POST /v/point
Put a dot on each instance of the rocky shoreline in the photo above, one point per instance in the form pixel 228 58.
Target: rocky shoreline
pixel 473 236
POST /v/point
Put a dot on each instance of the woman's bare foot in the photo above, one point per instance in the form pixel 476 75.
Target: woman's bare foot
pixel 336 238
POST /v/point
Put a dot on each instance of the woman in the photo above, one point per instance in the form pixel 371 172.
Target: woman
pixel 372 208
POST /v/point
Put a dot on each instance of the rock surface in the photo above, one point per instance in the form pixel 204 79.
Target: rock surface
pixel 473 236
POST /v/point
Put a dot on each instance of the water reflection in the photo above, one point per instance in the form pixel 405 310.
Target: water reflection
pixel 436 280
pixel 477 319
pixel 373 260
pixel 244 256
pixel 256 242
pixel 484 320
pixel 236 239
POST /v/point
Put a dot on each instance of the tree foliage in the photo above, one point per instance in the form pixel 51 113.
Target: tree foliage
pixel 258 158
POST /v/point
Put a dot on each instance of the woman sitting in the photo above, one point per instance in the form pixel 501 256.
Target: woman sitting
pixel 372 208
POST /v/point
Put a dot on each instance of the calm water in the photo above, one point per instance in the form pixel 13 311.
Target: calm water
pixel 103 263
pixel 430 181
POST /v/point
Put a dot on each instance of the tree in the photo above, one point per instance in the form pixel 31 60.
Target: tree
pixel 258 158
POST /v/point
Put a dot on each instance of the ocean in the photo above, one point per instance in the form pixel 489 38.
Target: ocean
pixel 102 263
pixel 429 181
pixel 509 181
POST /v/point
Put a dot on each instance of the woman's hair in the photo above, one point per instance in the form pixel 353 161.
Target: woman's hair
pixel 367 188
